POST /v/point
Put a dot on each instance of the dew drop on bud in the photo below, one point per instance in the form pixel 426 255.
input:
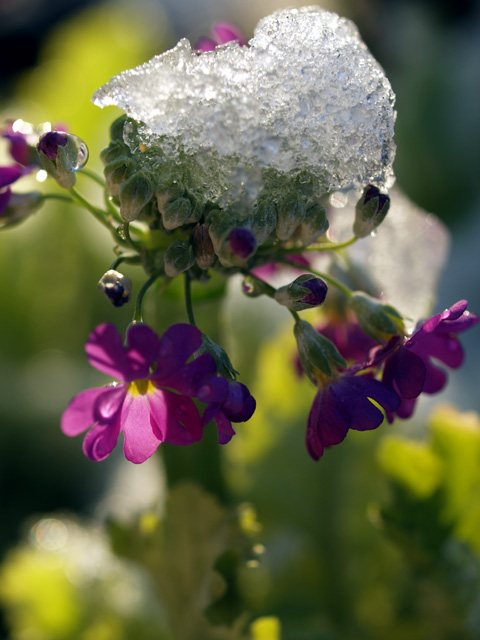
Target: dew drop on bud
pixel 82 153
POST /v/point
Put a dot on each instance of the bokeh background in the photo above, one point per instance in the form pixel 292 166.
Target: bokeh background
pixel 54 55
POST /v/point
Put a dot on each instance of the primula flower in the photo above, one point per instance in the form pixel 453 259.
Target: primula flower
pixel 408 366
pixel 222 32
pixel 346 403
pixel 150 404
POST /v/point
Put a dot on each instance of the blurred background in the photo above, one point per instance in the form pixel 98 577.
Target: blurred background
pixel 55 53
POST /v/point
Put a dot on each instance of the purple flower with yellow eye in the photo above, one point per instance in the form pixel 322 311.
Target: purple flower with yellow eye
pixel 152 401
pixel 222 32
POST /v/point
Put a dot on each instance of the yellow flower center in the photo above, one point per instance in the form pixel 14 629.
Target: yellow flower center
pixel 141 387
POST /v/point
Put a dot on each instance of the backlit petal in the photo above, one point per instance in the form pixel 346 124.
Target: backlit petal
pixel 80 414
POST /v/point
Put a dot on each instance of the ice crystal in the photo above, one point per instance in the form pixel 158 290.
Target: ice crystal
pixel 305 95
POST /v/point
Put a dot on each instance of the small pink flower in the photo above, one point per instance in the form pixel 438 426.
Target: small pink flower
pixel 222 32
pixel 152 402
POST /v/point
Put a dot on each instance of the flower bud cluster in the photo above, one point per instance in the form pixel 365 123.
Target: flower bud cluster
pixel 197 231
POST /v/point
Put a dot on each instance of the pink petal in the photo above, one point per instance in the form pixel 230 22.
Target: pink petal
pixel 110 402
pixel 106 353
pixel 80 415
pixel 181 420
pixel 227 32
pixel 101 440
pixel 140 440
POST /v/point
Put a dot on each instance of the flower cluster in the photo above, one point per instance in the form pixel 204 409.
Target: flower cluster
pixel 152 400
pixel 392 376
pixel 181 198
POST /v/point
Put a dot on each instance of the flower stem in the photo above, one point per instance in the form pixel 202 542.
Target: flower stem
pixel 57 196
pixel 131 258
pixel 99 214
pixel 331 246
pixel 137 313
pixel 188 299
pixel 93 176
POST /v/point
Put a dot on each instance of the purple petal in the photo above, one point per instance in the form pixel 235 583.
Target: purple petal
pixel 49 143
pixel 10 174
pixel 435 379
pixel 80 413
pixel 239 405
pixel 364 415
pixel 176 346
pixel 371 388
pixel 213 391
pixel 445 348
pixel 227 32
pixel 331 418
pixel 143 345
pixel 224 428
pixel 4 199
pixel 205 44
pixel 101 440
pixel 140 440
pixel 106 353
pixel 109 403
pixel 407 370
pixel 184 425
pixel 189 378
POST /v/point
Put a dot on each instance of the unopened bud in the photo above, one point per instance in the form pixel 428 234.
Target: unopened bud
pixel 116 173
pixel 377 320
pixel 305 292
pixel 116 128
pixel 264 219
pixel 242 242
pixel 134 194
pixel 254 287
pixel 291 213
pixel 370 211
pixel 203 247
pixel 61 155
pixel 179 257
pixel 116 287
pixel 317 353
pixel 314 225
pixel 19 207
pixel 116 149
pixel 175 213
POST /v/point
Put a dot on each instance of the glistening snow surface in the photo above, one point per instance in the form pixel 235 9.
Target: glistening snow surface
pixel 306 94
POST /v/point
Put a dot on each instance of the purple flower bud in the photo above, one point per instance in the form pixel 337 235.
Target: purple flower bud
pixel 222 32
pixel 50 142
pixel 242 242
pixel 116 287
pixel 318 293
pixel 370 211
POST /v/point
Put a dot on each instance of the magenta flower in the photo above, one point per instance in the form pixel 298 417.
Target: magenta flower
pixel 20 147
pixel 222 32
pixel 346 404
pixel 410 367
pixel 9 175
pixel 152 402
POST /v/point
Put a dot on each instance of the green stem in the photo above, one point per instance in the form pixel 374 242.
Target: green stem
pixel 137 313
pixel 331 246
pixel 57 196
pixel 336 283
pixel 93 176
pixel 131 258
pixel 99 214
pixel 188 299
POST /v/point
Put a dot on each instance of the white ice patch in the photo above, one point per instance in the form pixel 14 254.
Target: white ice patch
pixel 306 94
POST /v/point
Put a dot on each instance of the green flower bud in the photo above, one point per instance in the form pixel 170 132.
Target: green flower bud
pixel 203 247
pixel 61 155
pixel 305 292
pixel 318 355
pixel 314 225
pixel 370 211
pixel 116 172
pixel 116 128
pixel 176 212
pixel 134 194
pixel 291 213
pixel 265 217
pixel 20 206
pixel 116 287
pixel 115 149
pixel 377 320
pixel 179 257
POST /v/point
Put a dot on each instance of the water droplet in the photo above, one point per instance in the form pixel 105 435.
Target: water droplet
pixel 82 153
pixel 338 199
